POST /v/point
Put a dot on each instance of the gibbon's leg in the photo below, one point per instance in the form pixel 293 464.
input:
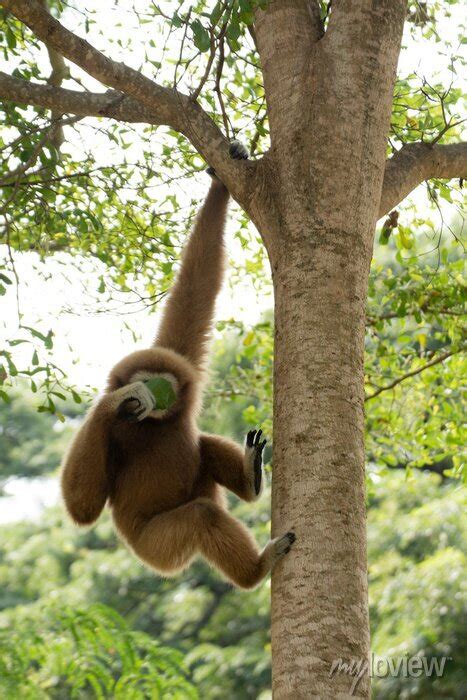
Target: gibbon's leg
pixel 238 470
pixel 187 317
pixel 84 477
pixel 170 540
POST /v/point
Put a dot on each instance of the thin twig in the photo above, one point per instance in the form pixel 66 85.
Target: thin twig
pixel 432 363
pixel 195 94
pixel 217 88
pixel 21 170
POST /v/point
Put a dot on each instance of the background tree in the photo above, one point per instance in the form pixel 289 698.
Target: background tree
pixel 323 97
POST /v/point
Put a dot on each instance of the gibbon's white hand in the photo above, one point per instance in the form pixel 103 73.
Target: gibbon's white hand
pixel 134 402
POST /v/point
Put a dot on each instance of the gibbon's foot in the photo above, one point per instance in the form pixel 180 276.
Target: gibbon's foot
pixel 282 546
pixel 237 151
pixel 135 402
pixel 254 459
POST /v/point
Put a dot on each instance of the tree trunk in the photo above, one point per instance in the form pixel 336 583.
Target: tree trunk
pixel 317 217
pixel 316 207
pixel 318 222
pixel 319 597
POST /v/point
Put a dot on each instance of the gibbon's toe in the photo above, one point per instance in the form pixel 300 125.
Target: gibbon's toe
pixel 238 150
pixel 283 545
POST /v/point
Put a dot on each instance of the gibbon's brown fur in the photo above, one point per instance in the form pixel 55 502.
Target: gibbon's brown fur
pixel 161 477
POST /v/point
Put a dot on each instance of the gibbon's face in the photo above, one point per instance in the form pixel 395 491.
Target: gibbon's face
pixel 145 365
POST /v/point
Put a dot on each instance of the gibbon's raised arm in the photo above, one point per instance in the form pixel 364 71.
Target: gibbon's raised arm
pixel 187 318
pixel 84 472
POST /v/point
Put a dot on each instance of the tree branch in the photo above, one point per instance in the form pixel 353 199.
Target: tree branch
pixel 58 75
pixel 417 162
pixel 435 467
pixel 435 361
pixel 171 107
pixel 112 104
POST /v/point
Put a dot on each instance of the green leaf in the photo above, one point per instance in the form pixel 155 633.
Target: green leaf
pixel 10 38
pixel 4 396
pixel 176 20
pixel 76 397
pixel 201 36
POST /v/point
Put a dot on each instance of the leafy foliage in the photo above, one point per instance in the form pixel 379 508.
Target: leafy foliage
pixel 25 452
pixel 87 653
pixel 416 569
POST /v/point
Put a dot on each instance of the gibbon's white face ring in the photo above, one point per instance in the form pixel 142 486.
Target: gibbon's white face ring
pixel 143 375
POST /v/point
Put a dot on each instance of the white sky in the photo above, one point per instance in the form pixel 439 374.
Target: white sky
pixel 97 342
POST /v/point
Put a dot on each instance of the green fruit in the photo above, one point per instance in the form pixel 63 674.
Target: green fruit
pixel 162 390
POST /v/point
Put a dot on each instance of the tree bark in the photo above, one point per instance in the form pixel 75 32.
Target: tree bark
pixel 320 261
pixel 319 610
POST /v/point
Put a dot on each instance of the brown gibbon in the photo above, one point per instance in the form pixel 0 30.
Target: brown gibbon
pixel 163 479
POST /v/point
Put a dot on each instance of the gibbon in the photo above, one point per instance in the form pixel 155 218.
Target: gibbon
pixel 164 480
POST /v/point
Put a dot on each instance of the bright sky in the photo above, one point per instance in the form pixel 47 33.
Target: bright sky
pixel 87 345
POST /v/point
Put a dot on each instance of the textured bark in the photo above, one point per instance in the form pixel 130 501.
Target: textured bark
pixel 315 198
pixel 320 610
pixel 417 162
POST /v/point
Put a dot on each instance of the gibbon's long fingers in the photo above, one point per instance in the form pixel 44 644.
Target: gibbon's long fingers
pixel 231 466
pixel 170 540
pixel 187 317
